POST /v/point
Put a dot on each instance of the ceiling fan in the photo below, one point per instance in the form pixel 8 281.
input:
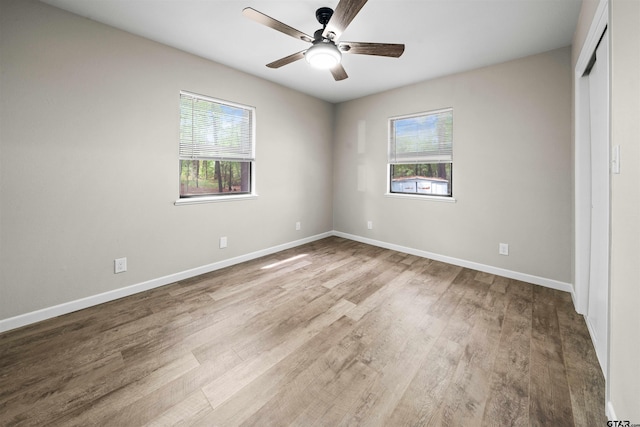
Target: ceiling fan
pixel 326 51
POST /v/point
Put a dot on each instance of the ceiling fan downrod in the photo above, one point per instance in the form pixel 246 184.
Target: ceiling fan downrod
pixel 324 53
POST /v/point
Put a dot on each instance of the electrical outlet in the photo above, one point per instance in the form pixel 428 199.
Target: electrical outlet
pixel 223 242
pixel 120 265
pixel 370 225
pixel 503 249
pixel 298 225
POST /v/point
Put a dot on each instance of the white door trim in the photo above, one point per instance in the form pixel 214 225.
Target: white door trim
pixel 582 160
pixel 582 175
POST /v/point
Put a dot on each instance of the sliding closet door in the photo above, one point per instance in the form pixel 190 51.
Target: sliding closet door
pixel 597 315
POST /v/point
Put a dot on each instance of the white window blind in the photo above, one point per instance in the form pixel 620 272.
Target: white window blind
pixel 422 138
pixel 215 130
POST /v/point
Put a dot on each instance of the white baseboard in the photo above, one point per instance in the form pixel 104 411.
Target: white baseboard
pixel 610 412
pixel 536 280
pixel 79 304
pixel 592 335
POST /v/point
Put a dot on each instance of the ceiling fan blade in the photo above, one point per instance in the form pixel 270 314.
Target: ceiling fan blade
pixel 287 59
pixel 339 73
pixel 342 16
pixel 263 19
pixel 379 49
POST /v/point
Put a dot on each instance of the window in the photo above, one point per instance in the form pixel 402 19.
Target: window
pixel 421 154
pixel 217 146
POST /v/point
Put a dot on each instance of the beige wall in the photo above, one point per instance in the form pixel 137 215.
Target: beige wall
pixel 511 175
pixel 624 381
pixel 89 170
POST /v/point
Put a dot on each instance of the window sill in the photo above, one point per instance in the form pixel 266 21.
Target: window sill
pixel 421 197
pixel 213 199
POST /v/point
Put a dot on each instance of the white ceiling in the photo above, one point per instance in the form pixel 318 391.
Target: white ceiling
pixel 441 36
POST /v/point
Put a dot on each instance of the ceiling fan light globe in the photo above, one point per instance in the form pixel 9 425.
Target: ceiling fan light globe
pixel 323 55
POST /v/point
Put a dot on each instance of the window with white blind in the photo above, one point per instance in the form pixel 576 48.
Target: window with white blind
pixel 217 147
pixel 421 154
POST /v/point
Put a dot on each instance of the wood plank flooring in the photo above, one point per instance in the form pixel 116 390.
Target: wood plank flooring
pixel 332 333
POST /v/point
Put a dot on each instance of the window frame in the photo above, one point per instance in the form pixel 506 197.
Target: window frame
pixel 390 163
pixel 219 197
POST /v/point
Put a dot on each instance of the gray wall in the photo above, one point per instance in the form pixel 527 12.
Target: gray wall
pixel 89 171
pixel 511 174
pixel 624 344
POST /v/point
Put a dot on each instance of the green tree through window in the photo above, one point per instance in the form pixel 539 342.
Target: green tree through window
pixel 216 147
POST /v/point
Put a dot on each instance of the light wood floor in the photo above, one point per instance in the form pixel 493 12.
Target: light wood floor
pixel 330 333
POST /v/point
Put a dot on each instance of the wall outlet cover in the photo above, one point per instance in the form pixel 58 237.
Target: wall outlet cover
pixel 120 265
pixel 503 249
